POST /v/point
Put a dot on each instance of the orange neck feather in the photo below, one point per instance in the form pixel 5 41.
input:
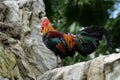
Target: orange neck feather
pixel 47 28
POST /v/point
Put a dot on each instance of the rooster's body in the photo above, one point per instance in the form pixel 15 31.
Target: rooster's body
pixel 65 45
pixel 61 44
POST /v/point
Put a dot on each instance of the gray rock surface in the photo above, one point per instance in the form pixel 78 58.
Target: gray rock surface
pixel 101 68
pixel 23 55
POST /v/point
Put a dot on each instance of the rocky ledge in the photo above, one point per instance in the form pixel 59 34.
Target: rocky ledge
pixel 101 68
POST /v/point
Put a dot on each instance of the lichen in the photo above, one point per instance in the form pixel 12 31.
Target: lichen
pixel 7 64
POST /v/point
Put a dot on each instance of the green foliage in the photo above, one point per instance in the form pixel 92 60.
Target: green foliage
pixel 63 13
pixel 93 12
pixel 75 58
pixel 114 28
pixel 70 15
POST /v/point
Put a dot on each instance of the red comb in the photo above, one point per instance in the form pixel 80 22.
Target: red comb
pixel 45 22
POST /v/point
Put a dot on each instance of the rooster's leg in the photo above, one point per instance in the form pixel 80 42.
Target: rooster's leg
pixel 59 62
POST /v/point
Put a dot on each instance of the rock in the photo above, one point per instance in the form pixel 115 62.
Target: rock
pixel 1 78
pixel 112 67
pixel 7 64
pixel 101 68
pixel 73 72
pixel 23 56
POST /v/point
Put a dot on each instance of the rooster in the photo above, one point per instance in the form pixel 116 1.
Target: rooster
pixel 63 45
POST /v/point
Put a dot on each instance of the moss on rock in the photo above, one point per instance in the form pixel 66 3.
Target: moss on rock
pixel 7 64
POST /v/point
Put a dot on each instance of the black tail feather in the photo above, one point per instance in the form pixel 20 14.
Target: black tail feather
pixel 97 33
pixel 91 37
